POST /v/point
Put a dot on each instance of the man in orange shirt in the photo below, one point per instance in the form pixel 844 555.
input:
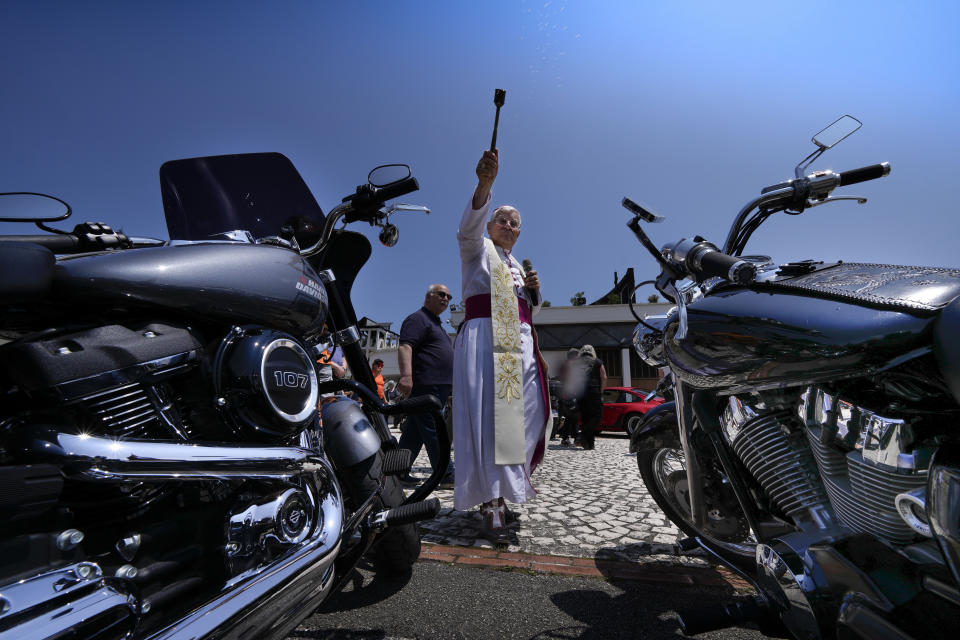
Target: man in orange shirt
pixel 377 370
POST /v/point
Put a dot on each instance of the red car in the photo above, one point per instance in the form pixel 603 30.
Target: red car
pixel 623 407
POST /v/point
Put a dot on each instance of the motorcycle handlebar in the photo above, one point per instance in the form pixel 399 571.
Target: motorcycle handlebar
pixel 871 172
pixel 731 268
pixel 403 187
pixel 61 243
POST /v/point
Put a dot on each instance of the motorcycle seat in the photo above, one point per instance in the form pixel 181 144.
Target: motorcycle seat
pixel 27 270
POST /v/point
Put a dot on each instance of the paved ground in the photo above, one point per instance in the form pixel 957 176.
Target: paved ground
pixel 590 504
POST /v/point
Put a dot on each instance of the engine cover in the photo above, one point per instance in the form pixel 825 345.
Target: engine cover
pixel 266 383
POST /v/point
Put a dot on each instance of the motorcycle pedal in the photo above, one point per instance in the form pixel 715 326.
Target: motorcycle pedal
pixel 397 462
pixel 406 514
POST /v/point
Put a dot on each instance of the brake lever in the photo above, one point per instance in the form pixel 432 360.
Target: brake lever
pixel 416 208
pixel 828 199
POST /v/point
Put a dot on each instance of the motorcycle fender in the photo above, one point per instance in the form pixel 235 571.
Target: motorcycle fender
pixel 658 429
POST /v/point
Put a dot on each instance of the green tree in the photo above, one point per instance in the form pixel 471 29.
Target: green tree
pixel 578 300
pixel 653 299
pixel 546 303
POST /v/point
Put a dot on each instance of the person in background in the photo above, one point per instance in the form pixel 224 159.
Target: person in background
pixel 425 357
pixel 501 406
pixel 570 389
pixel 591 404
pixel 377 371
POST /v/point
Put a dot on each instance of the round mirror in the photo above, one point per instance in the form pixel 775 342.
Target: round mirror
pixel 32 207
pixel 388 174
pixel 837 131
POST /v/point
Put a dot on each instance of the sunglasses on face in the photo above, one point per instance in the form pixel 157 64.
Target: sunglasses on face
pixel 513 224
pixel 441 294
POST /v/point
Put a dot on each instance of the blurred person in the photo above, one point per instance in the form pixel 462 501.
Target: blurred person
pixel 376 369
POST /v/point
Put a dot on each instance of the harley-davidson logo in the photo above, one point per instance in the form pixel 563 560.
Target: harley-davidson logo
pixel 308 286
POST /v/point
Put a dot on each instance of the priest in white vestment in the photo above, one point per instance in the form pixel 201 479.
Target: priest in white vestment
pixel 500 397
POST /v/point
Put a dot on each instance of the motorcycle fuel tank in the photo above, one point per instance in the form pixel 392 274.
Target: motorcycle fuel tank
pixel 742 337
pixel 236 283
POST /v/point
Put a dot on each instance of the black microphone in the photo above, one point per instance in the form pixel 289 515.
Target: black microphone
pixel 533 293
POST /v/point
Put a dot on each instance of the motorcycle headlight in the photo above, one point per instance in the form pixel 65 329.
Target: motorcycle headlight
pixel 648 339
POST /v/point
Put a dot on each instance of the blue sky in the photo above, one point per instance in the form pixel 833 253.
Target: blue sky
pixel 687 107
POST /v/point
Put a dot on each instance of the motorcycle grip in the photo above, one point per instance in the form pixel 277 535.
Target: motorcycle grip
pixel 714 263
pixel 391 191
pixel 417 404
pixel 872 172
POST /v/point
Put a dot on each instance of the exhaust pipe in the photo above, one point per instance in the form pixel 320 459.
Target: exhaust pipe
pixel 108 459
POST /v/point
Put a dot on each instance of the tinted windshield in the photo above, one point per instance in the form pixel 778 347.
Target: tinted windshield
pixel 256 192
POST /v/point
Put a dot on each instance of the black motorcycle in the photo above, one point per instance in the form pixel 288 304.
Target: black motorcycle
pixel 163 471
pixel 812 444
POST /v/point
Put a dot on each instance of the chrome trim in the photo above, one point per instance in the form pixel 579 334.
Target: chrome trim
pixel 909 505
pixel 64 598
pixel 97 458
pixel 101 383
pixel 256 530
pixel 883 442
pixel 311 403
pixel 257 603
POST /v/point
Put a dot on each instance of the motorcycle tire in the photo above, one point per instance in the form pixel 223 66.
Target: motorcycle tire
pixel 730 533
pixel 395 551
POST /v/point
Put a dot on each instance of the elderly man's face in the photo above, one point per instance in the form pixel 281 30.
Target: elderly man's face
pixel 504 227
pixel 438 298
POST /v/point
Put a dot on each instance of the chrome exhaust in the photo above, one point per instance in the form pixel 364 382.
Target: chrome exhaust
pixel 107 459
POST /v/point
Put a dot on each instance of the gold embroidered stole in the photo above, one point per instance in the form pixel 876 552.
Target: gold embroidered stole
pixel 508 420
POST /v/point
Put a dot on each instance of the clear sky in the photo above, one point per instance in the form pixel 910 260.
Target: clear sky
pixel 687 107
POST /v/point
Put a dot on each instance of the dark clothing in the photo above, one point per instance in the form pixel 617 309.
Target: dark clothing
pixel 432 348
pixel 419 430
pixel 590 413
pixel 591 404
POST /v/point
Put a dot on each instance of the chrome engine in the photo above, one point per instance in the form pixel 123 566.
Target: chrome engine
pixel 830 462
pixel 156 476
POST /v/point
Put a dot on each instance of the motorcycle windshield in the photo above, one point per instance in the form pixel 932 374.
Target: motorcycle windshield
pixel 256 192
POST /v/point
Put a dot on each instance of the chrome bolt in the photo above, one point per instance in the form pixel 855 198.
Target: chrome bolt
pixel 231 548
pixel 149 334
pixel 4 605
pixel 62 351
pixel 69 539
pixel 127 571
pixel 128 546
pixel 221 402
pixel 87 570
pixel 145 606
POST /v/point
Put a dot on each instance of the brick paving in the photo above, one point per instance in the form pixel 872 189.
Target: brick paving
pixel 591 513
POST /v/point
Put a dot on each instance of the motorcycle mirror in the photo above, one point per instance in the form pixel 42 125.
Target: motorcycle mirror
pixel 836 132
pixel 26 206
pixel 388 174
pixel 389 235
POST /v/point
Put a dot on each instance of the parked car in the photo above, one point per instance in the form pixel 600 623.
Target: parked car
pixel 623 408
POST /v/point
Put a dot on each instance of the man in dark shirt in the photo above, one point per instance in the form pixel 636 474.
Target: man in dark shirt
pixel 426 367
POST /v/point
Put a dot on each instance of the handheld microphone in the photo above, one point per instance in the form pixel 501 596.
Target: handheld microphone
pixel 534 294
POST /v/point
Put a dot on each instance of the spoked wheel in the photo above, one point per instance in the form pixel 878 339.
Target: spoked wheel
pixel 664 473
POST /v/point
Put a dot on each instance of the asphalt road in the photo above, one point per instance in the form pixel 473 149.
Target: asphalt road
pixel 443 601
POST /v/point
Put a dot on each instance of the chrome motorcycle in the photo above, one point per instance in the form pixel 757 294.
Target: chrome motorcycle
pixel 163 470
pixel 813 441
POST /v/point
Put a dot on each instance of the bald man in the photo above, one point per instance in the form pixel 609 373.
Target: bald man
pixel 425 357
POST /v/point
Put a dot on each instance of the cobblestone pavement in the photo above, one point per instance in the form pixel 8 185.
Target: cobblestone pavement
pixel 589 504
